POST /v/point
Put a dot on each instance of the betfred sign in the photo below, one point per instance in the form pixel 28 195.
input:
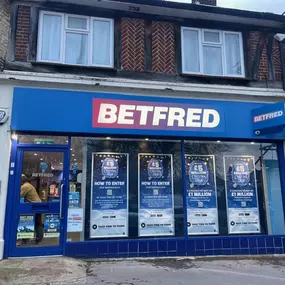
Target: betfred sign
pixel 269 119
pixel 268 116
pixel 127 114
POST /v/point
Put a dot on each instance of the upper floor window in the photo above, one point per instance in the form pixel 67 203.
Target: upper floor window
pixel 212 52
pixel 76 40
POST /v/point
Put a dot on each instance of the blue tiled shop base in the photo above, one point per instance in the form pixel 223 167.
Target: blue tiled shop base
pixel 251 245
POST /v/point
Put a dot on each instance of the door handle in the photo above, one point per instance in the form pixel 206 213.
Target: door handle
pixel 60 201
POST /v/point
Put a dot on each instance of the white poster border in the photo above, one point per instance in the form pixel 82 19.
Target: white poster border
pixel 172 192
pixel 215 181
pixel 226 192
pixel 91 196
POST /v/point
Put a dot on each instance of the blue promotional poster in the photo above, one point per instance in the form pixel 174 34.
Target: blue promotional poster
pixel 202 212
pixel 74 200
pixel 26 227
pixel 156 213
pixel 242 200
pixel 51 226
pixel 109 200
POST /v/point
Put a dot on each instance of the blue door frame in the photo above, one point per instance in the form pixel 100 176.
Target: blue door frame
pixel 14 207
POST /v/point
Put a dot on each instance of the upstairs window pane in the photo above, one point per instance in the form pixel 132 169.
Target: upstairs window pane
pixel 212 37
pixel 233 55
pixel 101 43
pixel 51 38
pixel 212 60
pixel 76 48
pixel 77 23
pixel 191 51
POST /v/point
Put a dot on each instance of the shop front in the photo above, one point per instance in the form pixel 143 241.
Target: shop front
pixel 114 175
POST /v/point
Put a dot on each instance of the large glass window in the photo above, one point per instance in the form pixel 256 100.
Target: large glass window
pixel 245 188
pixel 126 189
pixel 76 40
pixel 144 189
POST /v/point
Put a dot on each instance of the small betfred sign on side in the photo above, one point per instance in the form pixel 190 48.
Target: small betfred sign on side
pixel 269 119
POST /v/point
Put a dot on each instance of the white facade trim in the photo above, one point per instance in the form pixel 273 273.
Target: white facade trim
pixel 6 94
pixel 68 79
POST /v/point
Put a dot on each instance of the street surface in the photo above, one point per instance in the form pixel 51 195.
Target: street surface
pixel 266 270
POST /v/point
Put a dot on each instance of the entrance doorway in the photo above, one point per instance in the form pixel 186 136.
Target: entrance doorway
pixel 38 221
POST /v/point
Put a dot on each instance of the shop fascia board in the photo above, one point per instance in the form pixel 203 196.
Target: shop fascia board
pixel 122 83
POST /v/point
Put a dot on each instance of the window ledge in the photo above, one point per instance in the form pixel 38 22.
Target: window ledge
pixel 221 77
pixel 66 65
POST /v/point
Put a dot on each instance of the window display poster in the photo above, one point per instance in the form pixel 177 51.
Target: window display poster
pixel 242 200
pixel 109 201
pixel 74 199
pixel 26 227
pixel 51 226
pixel 202 213
pixel 156 213
pixel 75 220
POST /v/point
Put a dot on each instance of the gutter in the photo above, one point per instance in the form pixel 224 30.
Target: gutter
pixel 206 8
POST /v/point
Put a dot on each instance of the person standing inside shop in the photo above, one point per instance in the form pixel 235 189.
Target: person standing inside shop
pixel 30 195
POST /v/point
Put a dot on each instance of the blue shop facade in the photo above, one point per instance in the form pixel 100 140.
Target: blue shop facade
pixel 144 176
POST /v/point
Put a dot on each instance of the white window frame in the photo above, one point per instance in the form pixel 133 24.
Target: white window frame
pixel 203 43
pixel 65 29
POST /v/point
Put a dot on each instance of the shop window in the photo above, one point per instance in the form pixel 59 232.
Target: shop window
pixel 233 188
pixel 129 189
pixel 75 40
pixel 125 189
pixel 212 52
pixel 40 140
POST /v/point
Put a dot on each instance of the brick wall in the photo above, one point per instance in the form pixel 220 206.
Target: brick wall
pixel 254 40
pixel 22 33
pixel 4 30
pixel 277 61
pixel 163 47
pixel 132 41
pixel 206 2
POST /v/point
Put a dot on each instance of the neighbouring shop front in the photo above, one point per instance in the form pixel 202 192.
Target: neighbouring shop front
pixel 138 176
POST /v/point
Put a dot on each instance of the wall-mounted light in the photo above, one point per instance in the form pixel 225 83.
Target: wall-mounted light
pixel 14 137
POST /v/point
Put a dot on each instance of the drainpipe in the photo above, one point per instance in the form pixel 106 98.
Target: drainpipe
pixel 280 38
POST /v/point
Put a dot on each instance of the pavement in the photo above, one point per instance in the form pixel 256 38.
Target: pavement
pixel 261 270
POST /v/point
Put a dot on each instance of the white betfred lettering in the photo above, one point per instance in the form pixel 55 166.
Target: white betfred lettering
pixel 107 113
pixel 206 118
pixel 176 114
pixel 268 116
pixel 126 114
pixel 159 115
pixel 194 118
pixel 144 112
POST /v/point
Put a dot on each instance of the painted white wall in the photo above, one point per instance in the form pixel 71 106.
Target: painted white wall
pixel 6 94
